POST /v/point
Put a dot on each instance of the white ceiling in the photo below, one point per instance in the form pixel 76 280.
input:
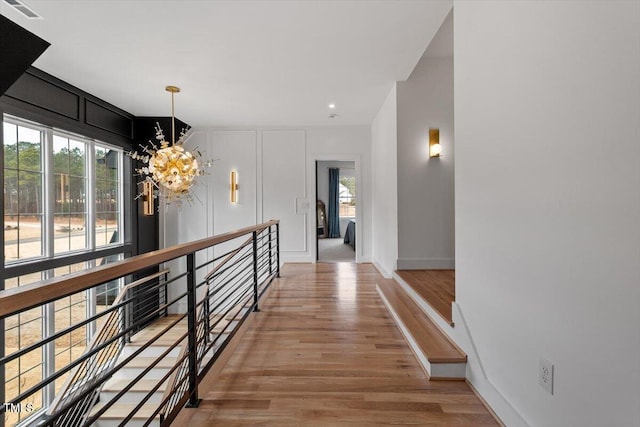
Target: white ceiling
pixel 238 62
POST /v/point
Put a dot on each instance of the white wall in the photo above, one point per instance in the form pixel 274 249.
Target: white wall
pixel 283 182
pixel 385 196
pixel 547 107
pixel 425 186
pixel 187 223
pixel 276 172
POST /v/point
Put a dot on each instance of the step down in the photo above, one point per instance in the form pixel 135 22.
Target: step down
pixel 441 359
pixel 136 393
pixel 144 362
pixel 118 411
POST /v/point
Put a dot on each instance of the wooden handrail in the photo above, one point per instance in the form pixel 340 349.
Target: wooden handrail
pixel 16 300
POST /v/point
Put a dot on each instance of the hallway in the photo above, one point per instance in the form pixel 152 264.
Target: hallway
pixel 324 351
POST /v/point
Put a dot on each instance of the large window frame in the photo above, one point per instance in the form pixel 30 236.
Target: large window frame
pixel 48 262
pixel 48 191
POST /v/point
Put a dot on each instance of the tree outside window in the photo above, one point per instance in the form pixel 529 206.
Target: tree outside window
pixel 347 194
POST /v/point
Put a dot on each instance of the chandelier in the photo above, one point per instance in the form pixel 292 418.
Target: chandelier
pixel 169 170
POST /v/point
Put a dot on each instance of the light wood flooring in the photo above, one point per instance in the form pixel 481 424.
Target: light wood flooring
pixel 324 351
pixel 437 287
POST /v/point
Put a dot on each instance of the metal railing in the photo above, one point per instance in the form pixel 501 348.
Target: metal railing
pixel 214 285
pixel 102 352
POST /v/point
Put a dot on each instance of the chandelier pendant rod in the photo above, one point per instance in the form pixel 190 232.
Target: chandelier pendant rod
pixel 173 90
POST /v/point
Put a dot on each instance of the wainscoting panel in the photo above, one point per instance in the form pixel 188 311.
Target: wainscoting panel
pixel 283 180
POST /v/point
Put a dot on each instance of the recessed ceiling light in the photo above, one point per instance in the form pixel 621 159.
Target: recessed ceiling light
pixel 332 106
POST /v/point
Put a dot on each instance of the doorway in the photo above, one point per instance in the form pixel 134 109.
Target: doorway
pixel 336 206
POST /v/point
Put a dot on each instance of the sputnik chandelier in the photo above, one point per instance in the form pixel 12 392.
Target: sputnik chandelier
pixel 169 170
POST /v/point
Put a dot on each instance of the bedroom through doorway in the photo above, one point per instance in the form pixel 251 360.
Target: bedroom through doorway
pixel 336 206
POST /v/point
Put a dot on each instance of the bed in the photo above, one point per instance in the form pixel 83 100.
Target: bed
pixel 350 234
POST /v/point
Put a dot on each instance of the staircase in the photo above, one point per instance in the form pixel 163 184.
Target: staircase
pixel 439 356
pixel 115 415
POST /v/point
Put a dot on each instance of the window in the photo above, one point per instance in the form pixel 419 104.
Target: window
pixel 347 193
pixel 108 184
pixel 23 192
pixel 70 185
pixel 48 207
pixel 62 196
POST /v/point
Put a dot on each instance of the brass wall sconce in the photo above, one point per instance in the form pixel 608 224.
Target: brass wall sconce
pixel 434 143
pixel 234 187
pixel 147 198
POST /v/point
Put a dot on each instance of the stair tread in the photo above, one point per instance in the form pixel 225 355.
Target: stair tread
pixel 143 362
pixel 158 325
pixel 117 384
pixel 434 343
pixel 122 410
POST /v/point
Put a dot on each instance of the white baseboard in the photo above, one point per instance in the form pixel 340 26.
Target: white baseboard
pixel 383 271
pixel 295 257
pixel 476 375
pixel 426 264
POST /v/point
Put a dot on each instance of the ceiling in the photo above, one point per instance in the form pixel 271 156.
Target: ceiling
pixel 238 62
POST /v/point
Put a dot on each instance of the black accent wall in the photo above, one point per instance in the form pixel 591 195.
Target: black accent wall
pixel 45 99
pixel 144 130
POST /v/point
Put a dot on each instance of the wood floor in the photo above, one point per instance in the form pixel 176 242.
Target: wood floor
pixel 437 287
pixel 324 351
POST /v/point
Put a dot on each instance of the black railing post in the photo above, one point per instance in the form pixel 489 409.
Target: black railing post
pixel 192 337
pixel 166 296
pixel 207 324
pixel 278 249
pixel 126 318
pixel 255 271
pixel 270 257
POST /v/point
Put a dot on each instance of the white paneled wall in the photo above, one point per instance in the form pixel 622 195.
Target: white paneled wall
pixel 283 181
pixel 233 150
pixel 276 177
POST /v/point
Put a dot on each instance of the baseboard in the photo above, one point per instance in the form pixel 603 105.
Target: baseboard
pixel 383 272
pixel 426 263
pixel 295 258
pixel 476 375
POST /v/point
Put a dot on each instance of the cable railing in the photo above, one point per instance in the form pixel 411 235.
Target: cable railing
pixel 147 367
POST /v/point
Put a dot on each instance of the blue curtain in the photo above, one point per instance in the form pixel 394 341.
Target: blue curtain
pixel 333 220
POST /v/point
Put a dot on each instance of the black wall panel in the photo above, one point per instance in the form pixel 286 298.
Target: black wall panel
pixel 109 120
pixel 45 99
pixel 35 91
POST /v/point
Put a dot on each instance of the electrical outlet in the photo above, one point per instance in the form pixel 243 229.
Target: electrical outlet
pixel 545 375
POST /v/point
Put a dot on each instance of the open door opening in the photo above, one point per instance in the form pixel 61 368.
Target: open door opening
pixel 336 205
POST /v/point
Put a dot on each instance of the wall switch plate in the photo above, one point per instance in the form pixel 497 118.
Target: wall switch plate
pixel 302 205
pixel 545 375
